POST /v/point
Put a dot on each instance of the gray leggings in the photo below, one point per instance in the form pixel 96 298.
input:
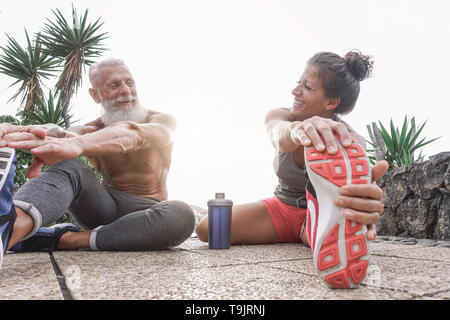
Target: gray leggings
pixel 120 221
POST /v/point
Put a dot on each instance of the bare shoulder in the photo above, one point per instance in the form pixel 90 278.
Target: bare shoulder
pixel 163 119
pixel 279 114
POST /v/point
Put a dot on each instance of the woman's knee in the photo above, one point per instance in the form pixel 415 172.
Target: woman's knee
pixel 202 230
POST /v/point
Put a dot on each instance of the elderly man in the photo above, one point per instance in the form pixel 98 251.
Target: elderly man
pixel 129 145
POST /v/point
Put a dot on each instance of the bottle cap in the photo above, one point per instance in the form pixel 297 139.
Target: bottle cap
pixel 220 201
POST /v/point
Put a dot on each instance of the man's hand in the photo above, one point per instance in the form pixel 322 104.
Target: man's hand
pixel 40 131
pixel 46 150
pixel 7 128
pixel 49 150
pixel 364 202
pixel 10 133
pixel 313 130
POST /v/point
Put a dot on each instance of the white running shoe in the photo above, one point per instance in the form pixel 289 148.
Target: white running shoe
pixel 340 247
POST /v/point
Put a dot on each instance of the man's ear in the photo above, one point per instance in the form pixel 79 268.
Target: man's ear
pixel 333 103
pixel 95 95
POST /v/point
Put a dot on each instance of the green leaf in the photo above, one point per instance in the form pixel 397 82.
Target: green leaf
pixel 387 139
pixel 403 134
pixel 394 138
pixel 9 119
pixel 413 140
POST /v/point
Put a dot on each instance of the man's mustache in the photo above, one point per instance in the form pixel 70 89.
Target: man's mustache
pixel 128 98
pixel 108 104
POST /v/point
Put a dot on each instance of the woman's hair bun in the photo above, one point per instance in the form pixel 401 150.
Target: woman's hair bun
pixel 360 65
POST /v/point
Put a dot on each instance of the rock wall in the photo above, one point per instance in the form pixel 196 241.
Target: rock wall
pixel 417 200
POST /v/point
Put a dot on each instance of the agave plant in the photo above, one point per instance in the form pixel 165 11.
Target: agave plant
pixel 401 145
pixel 50 111
pixel 75 44
pixel 28 66
pixel 10 119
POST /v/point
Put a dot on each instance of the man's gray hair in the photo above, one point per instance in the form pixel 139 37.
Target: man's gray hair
pixel 95 69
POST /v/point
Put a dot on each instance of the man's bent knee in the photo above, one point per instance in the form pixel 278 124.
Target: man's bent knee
pixel 182 222
pixel 69 164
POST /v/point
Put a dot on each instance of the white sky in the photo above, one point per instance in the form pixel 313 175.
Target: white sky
pixel 220 66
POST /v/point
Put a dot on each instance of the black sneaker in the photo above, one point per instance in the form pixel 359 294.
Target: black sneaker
pixel 7 212
pixel 46 239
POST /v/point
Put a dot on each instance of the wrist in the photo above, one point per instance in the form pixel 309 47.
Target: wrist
pixel 293 125
pixel 78 144
pixel 293 131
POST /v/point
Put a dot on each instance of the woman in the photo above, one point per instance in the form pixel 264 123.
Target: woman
pixel 329 87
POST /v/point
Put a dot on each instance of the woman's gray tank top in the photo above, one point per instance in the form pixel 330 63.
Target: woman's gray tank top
pixel 291 189
pixel 292 180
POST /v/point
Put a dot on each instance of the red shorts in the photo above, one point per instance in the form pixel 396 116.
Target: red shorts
pixel 287 220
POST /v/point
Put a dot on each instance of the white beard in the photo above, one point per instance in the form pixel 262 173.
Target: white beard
pixel 135 113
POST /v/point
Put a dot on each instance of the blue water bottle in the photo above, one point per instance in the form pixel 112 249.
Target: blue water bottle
pixel 219 222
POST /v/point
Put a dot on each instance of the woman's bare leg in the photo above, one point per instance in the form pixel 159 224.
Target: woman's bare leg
pixel 250 224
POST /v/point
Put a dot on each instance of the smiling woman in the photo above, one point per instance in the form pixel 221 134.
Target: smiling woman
pixel 327 76
pixel 329 86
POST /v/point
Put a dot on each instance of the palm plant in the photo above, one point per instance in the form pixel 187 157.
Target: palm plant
pixel 61 46
pixel 400 145
pixel 75 44
pixel 28 66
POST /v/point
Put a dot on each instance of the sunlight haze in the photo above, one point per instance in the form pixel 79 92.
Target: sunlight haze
pixel 220 66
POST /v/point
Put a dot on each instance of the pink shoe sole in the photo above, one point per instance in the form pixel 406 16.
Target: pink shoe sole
pixel 340 247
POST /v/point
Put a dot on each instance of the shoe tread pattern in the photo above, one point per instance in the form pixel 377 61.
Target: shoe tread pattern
pixel 333 169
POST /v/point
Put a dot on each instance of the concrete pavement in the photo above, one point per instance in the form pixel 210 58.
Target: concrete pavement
pixel 192 271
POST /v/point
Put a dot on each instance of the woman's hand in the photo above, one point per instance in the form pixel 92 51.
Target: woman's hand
pixel 313 130
pixel 364 203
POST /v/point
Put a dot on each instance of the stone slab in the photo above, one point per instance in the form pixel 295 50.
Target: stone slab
pixel 258 253
pixel 250 272
pixel 418 277
pixel 88 271
pixel 152 261
pixel 412 252
pixel 193 244
pixel 152 278
pixel 442 295
pixel 28 276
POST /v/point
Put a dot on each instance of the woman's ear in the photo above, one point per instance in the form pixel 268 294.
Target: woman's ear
pixel 333 103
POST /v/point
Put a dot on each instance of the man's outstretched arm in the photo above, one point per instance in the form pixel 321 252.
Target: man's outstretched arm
pixel 123 137
pixel 120 137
